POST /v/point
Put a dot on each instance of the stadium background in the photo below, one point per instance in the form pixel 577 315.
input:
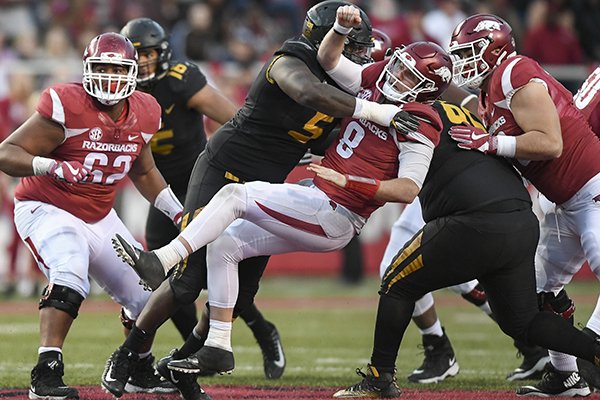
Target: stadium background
pixel 41 43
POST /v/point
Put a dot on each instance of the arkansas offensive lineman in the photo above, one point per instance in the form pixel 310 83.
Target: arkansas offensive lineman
pixel 532 119
pixel 72 152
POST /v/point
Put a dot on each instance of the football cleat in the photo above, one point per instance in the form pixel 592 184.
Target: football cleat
pixel 588 371
pixel 118 369
pixel 144 263
pixel 439 363
pixel 145 379
pixel 206 360
pixel 272 352
pixel 47 383
pixel 187 384
pixel 373 385
pixel 557 383
pixel 535 361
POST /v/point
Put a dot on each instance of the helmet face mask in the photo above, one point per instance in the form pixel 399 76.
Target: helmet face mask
pixel 110 68
pixel 478 45
pixel 418 72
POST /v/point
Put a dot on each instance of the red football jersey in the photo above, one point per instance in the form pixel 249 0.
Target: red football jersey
pixel 587 99
pixel 560 178
pixel 364 148
pixel 105 147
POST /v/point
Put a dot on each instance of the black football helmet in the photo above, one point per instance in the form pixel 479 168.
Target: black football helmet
pixel 319 20
pixel 146 34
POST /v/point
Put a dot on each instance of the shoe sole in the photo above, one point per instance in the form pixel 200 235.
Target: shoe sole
pixel 119 244
pixel 450 372
pixel 198 371
pixel 129 388
pixel 33 396
pixel 538 367
pixel 583 392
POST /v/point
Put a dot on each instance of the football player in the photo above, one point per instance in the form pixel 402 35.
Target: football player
pixel 71 153
pixel 281 218
pixel 532 120
pixel 291 106
pixel 496 221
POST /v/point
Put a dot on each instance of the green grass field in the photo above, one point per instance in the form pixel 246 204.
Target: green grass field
pixel 326 329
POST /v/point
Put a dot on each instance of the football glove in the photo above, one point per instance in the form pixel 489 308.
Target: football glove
pixel 472 138
pixel 405 123
pixel 67 171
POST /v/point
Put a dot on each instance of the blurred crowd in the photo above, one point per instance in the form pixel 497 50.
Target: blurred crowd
pixel 41 43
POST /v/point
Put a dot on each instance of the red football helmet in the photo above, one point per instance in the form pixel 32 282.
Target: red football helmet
pixel 479 44
pixel 382 43
pixel 114 49
pixel 421 72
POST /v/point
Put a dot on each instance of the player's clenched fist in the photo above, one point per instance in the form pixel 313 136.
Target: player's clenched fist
pixel 347 17
pixel 68 171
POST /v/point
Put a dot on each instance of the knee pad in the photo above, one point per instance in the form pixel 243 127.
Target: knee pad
pixel 62 298
pixel 559 304
pixel 125 320
pixel 477 296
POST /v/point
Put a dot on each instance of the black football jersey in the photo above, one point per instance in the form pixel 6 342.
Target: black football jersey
pixel 271 132
pixel 181 137
pixel 461 181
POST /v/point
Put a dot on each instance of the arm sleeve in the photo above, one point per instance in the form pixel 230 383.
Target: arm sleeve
pixel 347 75
pixel 414 160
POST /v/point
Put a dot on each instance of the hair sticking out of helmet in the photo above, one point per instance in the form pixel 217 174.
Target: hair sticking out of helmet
pixel 382 45
pixel 147 34
pixel 112 50
pixel 319 20
pixel 421 72
pixel 478 45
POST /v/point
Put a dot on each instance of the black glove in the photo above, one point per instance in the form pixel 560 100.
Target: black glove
pixel 405 123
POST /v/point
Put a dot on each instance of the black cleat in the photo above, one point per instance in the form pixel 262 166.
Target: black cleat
pixel 439 363
pixel 535 362
pixel 118 369
pixel 588 371
pixel 187 384
pixel 145 379
pixel 272 352
pixel 206 360
pixel 373 385
pixel 557 383
pixel 144 263
pixel 47 383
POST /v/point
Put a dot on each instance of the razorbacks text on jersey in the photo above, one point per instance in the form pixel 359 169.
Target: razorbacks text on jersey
pixel 364 148
pixel 105 147
pixel 587 99
pixel 271 132
pixel 181 137
pixel 560 178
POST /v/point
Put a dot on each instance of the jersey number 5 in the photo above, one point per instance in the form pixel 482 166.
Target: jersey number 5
pixel 311 128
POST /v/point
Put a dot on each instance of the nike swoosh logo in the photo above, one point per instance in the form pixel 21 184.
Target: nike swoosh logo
pixel 107 378
pixel 173 377
pixel 169 109
pixel 281 362
pixel 73 171
pixel 35 209
pixel 476 137
pixel 132 137
pixel 452 361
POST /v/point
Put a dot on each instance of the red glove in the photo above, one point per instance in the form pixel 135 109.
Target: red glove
pixel 68 171
pixel 472 138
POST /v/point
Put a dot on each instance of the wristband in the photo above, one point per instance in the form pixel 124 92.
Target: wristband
pixel 507 146
pixel 167 202
pixel 366 186
pixel 41 165
pixel 341 30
